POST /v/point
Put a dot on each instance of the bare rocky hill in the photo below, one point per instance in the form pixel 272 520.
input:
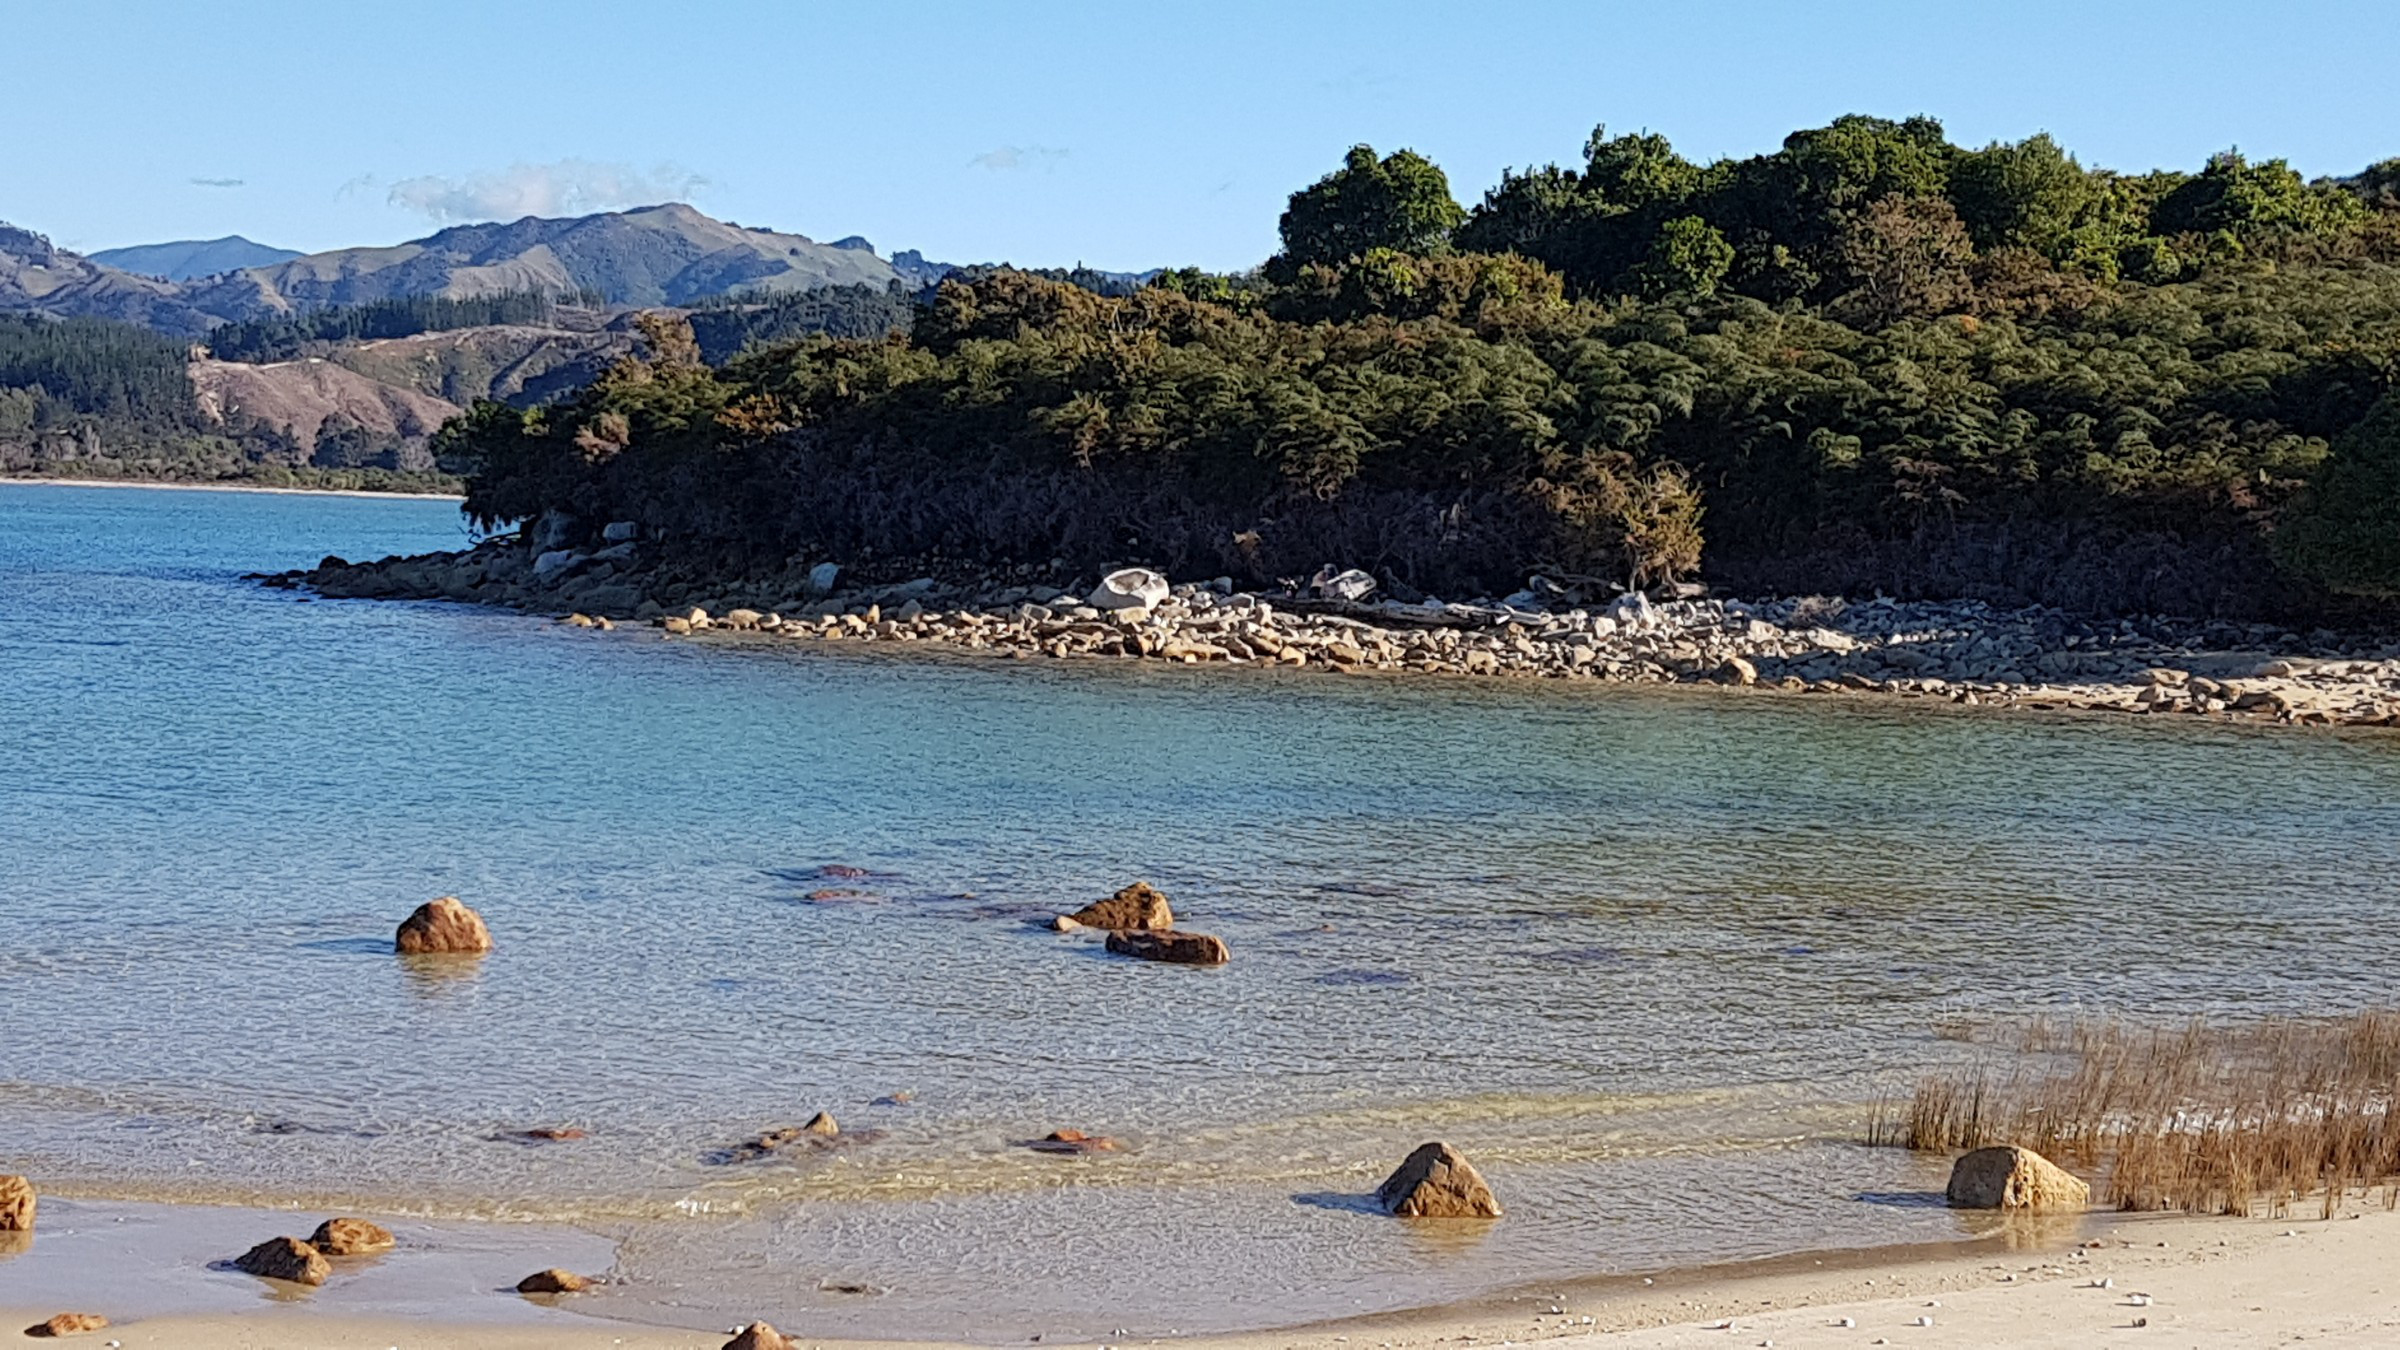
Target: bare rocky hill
pixel 186 259
pixel 656 255
pixel 306 398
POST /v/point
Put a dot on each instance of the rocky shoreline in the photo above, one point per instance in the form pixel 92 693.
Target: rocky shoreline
pixel 1963 652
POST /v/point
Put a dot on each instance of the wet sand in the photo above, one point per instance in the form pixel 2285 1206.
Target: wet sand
pixel 2141 1280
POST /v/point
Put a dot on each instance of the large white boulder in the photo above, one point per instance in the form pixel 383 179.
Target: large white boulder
pixel 1130 588
pixel 1350 585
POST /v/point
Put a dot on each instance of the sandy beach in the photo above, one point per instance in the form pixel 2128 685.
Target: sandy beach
pixel 2131 1279
pixel 226 487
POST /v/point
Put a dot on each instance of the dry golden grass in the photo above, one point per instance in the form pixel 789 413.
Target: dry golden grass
pixel 2207 1119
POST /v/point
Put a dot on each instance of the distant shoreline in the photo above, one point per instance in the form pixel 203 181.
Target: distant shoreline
pixel 226 487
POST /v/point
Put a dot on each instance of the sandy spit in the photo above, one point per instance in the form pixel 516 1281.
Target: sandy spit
pixel 225 487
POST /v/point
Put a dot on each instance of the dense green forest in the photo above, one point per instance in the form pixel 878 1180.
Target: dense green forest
pixel 728 326
pixel 289 337
pixel 1871 360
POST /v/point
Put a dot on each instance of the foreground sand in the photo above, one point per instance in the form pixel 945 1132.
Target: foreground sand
pixel 2168 1281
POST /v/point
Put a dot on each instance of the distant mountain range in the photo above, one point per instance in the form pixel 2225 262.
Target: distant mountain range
pixel 656 255
pixel 186 259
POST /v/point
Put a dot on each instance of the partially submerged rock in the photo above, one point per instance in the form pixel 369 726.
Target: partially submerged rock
pixel 1437 1182
pixel 68 1324
pixel 759 1336
pixel 17 1203
pixel 822 1125
pixel 1175 946
pixel 2007 1177
pixel 1072 1142
pixel 351 1237
pixel 553 1281
pixel 443 926
pixel 548 1135
pixel 1139 905
pixel 285 1258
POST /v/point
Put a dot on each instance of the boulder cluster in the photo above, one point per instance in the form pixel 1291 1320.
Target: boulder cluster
pixel 1141 924
pixel 1963 652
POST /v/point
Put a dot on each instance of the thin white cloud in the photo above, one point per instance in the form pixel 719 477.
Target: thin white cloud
pixel 569 187
pixel 217 182
pixel 1018 159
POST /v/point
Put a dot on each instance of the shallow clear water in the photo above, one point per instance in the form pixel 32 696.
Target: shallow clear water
pixel 1642 954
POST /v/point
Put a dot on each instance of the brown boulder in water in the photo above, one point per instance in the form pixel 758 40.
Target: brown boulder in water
pixel 1437 1182
pixel 1138 906
pixel 759 1336
pixel 822 1125
pixel 443 927
pixel 16 1205
pixel 2015 1178
pixel 351 1237
pixel 67 1324
pixel 285 1258
pixel 1175 945
pixel 553 1281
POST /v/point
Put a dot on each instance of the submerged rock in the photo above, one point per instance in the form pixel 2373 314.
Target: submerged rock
pixel 1137 906
pixel 1175 946
pixel 351 1237
pixel 67 1324
pixel 553 1281
pixel 1073 1142
pixel 759 1336
pixel 443 926
pixel 1437 1182
pixel 17 1203
pixel 285 1258
pixel 2007 1177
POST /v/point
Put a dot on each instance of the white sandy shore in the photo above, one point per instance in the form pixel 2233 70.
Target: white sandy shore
pixel 226 487
pixel 2146 1281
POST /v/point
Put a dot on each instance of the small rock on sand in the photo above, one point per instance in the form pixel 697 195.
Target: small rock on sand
pixel 2015 1178
pixel 553 1281
pixel 443 927
pixel 67 1324
pixel 1437 1182
pixel 285 1258
pixel 1176 946
pixel 759 1336
pixel 16 1205
pixel 351 1237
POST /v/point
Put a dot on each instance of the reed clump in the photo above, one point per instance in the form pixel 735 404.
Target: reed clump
pixel 2202 1118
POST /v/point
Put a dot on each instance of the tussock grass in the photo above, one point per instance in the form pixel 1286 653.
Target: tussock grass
pixel 2201 1118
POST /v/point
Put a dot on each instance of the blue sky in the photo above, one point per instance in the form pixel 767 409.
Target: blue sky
pixel 1121 135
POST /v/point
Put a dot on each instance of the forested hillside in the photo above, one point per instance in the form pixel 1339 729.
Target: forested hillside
pixel 1869 360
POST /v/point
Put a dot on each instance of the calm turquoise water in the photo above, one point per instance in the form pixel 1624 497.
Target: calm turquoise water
pixel 1642 954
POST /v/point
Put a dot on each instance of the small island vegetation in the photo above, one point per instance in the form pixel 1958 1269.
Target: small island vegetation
pixel 1871 360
